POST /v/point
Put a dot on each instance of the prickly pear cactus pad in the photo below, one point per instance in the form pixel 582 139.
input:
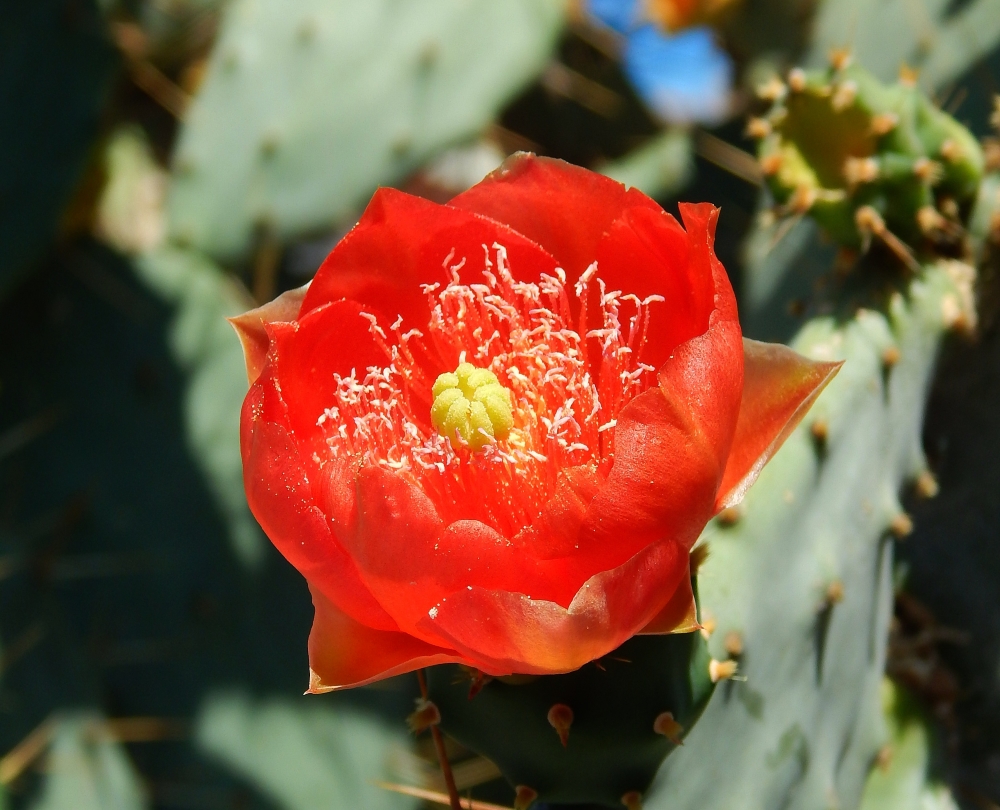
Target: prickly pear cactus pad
pixel 594 735
pixel 334 98
pixel 797 586
pixel 866 159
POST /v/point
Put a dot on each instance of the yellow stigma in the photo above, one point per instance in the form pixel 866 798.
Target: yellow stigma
pixel 470 407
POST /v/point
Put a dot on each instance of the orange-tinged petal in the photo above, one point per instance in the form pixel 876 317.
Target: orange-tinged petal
pixel 410 559
pixel 344 653
pixel 506 632
pixel 250 326
pixel 679 616
pixel 779 387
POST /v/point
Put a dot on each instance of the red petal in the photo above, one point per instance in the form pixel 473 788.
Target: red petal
pixel 648 253
pixel 779 386
pixel 579 217
pixel 304 356
pixel 276 476
pixel 565 209
pixel 671 445
pixel 281 499
pixel 402 242
pixel 410 559
pixel 507 632
pixel 343 653
pixel 250 326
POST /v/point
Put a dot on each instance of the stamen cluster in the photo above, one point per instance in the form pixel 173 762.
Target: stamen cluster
pixel 567 384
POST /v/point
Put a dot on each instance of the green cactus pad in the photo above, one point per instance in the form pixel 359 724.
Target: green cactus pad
pixel 612 748
pixel 838 139
pixel 308 106
pixel 803 575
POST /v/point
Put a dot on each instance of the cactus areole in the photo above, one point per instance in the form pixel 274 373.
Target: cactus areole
pixel 489 432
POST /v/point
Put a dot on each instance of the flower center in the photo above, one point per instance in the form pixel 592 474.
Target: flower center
pixel 471 408
pixel 536 390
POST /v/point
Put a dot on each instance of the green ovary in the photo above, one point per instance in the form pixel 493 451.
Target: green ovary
pixel 471 408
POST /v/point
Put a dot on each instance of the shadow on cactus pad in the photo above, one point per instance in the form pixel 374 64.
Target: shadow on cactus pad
pixel 612 715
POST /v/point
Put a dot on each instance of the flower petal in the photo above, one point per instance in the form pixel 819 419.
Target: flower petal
pixel 344 653
pixel 304 357
pixel 565 209
pixel 250 326
pixel 504 632
pixel 276 476
pixel 410 559
pixel 679 616
pixel 779 386
pixel 403 242
pixel 671 445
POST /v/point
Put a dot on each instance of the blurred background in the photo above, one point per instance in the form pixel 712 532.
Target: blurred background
pixel 166 163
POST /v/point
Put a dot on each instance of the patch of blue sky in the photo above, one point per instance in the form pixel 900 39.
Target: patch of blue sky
pixel 621 15
pixel 682 78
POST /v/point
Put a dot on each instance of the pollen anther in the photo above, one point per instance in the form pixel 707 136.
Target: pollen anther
pixel 471 408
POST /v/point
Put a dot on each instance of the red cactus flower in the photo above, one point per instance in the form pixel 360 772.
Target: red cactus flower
pixel 489 432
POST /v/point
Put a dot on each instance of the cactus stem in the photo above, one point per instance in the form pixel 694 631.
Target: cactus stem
pixel 926 485
pixel 666 725
pixel 721 670
pixel 560 717
pixel 901 525
pixel 707 627
pixel 524 797
pixel 758 128
pixel 844 95
pixel 442 755
pixel 796 80
pixel 632 800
